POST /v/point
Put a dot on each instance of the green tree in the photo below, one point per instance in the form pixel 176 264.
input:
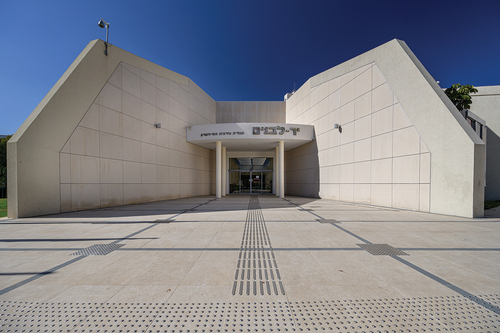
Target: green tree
pixel 460 95
pixel 3 161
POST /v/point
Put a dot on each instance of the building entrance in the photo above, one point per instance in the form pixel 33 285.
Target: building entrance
pixel 250 175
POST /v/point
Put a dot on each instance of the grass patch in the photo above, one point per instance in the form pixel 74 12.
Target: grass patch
pixel 3 207
pixel 491 204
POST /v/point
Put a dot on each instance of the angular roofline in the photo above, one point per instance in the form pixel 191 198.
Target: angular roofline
pixel 457 152
pixel 44 133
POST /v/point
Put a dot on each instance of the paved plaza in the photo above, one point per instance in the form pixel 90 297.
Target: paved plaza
pixel 249 264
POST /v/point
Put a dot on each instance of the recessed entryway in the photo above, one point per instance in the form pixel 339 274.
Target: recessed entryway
pixel 251 175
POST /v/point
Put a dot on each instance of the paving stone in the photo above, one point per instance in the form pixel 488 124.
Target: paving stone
pixel 249 264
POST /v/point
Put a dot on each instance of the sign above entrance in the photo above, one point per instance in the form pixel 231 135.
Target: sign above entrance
pixel 222 133
pixel 250 136
pixel 274 130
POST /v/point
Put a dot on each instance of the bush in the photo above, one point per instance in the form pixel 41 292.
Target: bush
pixel 3 207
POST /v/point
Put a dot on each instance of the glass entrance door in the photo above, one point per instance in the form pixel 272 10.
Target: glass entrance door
pixel 245 182
pixel 256 182
pixel 251 175
pixel 249 182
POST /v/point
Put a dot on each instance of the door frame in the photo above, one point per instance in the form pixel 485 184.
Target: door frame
pixel 253 154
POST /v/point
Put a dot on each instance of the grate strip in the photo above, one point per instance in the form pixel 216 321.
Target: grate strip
pixel 382 250
pixel 97 250
pixel 255 254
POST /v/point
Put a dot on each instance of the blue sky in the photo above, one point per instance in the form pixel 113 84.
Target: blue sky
pixel 241 50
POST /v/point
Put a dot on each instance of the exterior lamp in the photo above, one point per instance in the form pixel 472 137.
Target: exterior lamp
pixel 337 126
pixel 103 24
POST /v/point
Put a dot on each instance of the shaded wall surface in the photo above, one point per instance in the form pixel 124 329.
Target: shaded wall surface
pixel 251 112
pixel 117 156
pixel 377 157
pixel 486 104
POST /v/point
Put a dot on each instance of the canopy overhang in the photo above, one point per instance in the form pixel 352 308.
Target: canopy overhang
pixel 250 136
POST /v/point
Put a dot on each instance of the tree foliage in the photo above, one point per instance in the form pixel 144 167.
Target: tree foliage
pixel 3 160
pixel 460 95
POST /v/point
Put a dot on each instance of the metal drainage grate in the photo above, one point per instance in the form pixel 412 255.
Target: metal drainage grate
pixel 382 250
pixel 98 250
pixel 328 221
pixel 257 272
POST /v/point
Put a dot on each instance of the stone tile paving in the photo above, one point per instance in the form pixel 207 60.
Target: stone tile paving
pixel 249 264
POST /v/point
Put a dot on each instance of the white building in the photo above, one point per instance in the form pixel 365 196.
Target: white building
pixel 118 130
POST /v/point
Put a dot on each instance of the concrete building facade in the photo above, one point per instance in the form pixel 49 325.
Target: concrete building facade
pixel 119 130
pixel 486 104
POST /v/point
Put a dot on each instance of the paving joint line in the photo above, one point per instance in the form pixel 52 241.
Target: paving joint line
pixel 69 262
pixel 443 282
pixel 451 286
pixel 35 277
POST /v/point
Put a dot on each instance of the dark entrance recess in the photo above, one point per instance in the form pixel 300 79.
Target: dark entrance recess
pixel 251 175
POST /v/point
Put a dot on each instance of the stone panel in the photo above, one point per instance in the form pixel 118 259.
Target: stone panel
pixel 111 171
pixel 362 193
pixel 84 169
pixel 85 141
pixel 406 169
pixel 406 196
pixel 111 195
pixel 406 141
pixel 85 196
pixel 381 195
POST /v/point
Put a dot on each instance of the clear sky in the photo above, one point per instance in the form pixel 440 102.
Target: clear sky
pixel 241 50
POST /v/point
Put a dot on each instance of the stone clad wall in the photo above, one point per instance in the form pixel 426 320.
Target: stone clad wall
pixel 251 112
pixel 486 104
pixel 116 155
pixel 378 157
pixel 92 141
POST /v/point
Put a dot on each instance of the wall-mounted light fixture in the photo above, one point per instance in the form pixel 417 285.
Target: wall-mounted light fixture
pixel 158 125
pixel 103 24
pixel 337 126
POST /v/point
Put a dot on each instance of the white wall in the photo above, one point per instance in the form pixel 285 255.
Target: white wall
pixel 91 142
pixel 403 143
pixel 486 104
pixel 379 158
